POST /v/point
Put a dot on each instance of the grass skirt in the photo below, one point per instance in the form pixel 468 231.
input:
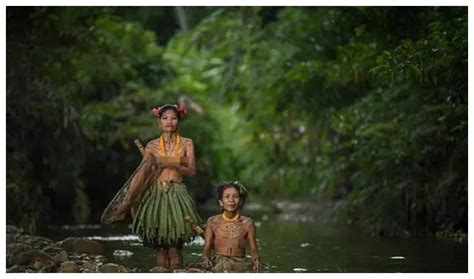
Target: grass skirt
pixel 159 220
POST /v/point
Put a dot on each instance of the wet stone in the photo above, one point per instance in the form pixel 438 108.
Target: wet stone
pixel 61 257
pixel 13 230
pixel 100 258
pixel 69 267
pixel 87 265
pixel 159 269
pixel 57 244
pixel 13 250
pixel 44 264
pixel 11 238
pixel 16 269
pixel 74 258
pixel 52 250
pixel 35 241
pixel 16 248
pixel 112 268
pixel 195 270
pixel 29 257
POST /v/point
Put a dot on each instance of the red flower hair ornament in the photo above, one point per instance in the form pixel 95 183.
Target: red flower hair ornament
pixel 156 111
pixel 180 108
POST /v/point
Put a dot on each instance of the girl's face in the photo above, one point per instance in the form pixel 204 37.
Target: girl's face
pixel 230 200
pixel 169 121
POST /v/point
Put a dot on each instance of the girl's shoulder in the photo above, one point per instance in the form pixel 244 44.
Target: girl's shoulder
pixel 213 221
pixel 214 218
pixel 246 220
pixel 154 142
pixel 153 145
pixel 186 141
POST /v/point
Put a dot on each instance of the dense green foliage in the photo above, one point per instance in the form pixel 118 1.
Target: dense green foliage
pixel 359 104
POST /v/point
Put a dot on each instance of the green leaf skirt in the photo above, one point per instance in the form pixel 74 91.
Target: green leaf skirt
pixel 159 220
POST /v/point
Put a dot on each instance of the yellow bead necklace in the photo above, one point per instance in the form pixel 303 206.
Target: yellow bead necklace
pixel 162 150
pixel 233 219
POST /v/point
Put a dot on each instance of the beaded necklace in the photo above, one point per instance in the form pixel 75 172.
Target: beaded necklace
pixel 162 150
pixel 233 219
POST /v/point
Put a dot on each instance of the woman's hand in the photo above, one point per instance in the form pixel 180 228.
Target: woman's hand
pixel 257 267
pixel 206 263
pixel 183 161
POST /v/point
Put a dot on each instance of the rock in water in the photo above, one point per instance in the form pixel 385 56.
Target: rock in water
pixel 11 238
pixel 35 241
pixel 159 269
pixel 53 250
pixel 13 230
pixel 16 269
pixel 16 248
pixel 112 268
pixel 31 256
pixel 180 270
pixel 61 257
pixel 195 270
pixel 69 267
pixel 87 265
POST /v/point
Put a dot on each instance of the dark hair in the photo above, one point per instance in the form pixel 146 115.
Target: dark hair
pixel 166 107
pixel 231 184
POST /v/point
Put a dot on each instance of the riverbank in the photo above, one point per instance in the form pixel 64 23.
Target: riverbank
pixel 31 254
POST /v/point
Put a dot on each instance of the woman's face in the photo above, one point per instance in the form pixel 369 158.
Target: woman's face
pixel 230 200
pixel 169 121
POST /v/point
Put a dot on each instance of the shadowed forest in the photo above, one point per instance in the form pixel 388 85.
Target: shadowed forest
pixel 363 108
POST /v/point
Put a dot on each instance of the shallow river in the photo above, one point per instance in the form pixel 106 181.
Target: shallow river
pixel 288 246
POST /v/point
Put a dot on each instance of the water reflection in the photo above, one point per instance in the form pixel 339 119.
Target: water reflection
pixel 198 241
pixel 82 227
pixel 122 253
pixel 129 237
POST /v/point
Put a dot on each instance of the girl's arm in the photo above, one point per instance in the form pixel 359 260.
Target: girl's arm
pixel 252 240
pixel 189 168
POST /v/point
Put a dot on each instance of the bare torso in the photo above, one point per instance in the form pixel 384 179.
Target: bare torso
pixel 229 238
pixel 185 150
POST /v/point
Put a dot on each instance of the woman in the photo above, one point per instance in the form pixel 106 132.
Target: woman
pixel 229 233
pixel 155 194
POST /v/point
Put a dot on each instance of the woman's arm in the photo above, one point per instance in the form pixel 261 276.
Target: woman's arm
pixel 208 239
pixel 189 168
pixel 252 240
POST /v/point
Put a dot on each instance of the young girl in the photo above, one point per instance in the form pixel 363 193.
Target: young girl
pixel 229 233
pixel 155 194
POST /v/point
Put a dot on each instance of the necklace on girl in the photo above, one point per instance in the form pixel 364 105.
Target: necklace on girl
pixel 169 151
pixel 233 219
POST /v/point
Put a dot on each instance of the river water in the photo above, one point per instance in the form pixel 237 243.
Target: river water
pixel 289 246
